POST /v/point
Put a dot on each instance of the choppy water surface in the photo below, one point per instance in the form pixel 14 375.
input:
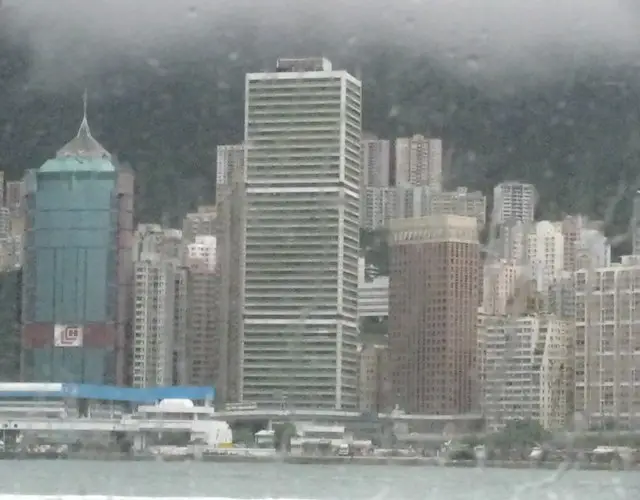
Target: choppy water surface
pixel 282 481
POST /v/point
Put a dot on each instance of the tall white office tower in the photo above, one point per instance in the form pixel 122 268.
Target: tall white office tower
pixel 303 147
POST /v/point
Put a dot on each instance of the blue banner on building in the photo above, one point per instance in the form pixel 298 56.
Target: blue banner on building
pixel 105 392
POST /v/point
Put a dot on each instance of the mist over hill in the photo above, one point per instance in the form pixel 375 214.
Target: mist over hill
pixel 538 92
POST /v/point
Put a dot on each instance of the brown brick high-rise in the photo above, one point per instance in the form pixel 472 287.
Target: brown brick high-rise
pixel 433 302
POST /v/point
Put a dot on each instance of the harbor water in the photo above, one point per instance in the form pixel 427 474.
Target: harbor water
pixel 31 480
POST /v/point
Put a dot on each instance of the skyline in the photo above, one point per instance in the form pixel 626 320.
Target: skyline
pixel 268 168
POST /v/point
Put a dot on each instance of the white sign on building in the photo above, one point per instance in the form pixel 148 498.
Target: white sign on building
pixel 67 336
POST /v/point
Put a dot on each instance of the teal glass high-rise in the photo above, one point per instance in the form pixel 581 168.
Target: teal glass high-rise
pixel 77 267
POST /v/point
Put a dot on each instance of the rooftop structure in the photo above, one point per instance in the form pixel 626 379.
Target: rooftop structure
pixel 82 146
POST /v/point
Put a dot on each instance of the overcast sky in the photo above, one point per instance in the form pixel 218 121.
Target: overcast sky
pixel 489 35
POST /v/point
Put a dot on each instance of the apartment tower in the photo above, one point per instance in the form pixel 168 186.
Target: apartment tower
pixel 202 340
pixel 375 178
pixel 158 329
pixel 204 222
pixel 607 344
pixel 14 195
pixel 514 201
pixel 419 162
pixel 302 159
pixel 434 287
pixel 153 321
pixel 376 161
pixel 229 158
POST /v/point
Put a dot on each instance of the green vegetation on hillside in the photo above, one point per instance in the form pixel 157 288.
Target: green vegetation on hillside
pixel 577 138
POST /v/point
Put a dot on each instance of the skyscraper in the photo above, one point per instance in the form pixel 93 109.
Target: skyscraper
pixel 303 147
pixel 77 266
pixel 433 302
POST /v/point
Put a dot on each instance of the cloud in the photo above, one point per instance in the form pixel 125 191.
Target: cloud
pixel 71 37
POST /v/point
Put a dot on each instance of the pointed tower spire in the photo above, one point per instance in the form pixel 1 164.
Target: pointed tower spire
pixel 84 145
pixel 84 125
pixel 85 100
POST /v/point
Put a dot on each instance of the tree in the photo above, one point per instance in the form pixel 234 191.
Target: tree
pixel 520 434
pixel 471 440
pixel 608 424
pixel 243 435
pixel 283 434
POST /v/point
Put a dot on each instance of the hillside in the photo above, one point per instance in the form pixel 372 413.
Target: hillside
pixel 576 139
